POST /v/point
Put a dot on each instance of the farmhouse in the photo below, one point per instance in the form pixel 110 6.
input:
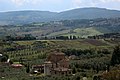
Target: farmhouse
pixel 55 64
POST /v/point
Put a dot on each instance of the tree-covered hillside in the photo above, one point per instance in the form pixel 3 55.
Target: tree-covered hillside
pixel 80 28
pixel 25 17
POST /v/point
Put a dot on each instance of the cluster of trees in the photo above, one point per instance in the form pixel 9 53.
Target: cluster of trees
pixel 15 47
pixel 91 61
pixel 66 37
pixel 88 59
pixel 104 36
pixel 62 38
pixel 6 46
pixel 93 64
pixel 79 52
pixel 40 44
pixel 112 73
pixel 20 38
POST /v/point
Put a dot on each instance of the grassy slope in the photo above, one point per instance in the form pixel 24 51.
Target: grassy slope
pixel 59 33
pixel 84 32
pixel 103 30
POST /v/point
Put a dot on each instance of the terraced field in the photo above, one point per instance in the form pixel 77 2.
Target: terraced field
pixel 79 44
pixel 96 42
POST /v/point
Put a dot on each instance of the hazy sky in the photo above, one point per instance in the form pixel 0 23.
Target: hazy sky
pixel 56 5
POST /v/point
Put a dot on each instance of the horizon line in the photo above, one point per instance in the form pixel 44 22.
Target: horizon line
pixel 57 11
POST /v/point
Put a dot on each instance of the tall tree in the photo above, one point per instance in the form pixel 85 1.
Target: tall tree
pixel 28 68
pixel 74 37
pixel 116 56
pixel 70 37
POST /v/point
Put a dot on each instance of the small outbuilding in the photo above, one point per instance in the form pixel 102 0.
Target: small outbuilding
pixel 17 65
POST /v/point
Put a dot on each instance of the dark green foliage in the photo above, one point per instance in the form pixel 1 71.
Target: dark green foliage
pixel 116 56
pixel 11 62
pixel 104 36
pixel 20 38
pixel 70 37
pixel 62 37
pixel 74 70
pixel 88 52
pixel 21 61
pixel 74 37
pixel 4 58
pixel 40 44
pixel 28 68
pixel 96 78
pixel 108 68
pixel 78 78
pixel 97 69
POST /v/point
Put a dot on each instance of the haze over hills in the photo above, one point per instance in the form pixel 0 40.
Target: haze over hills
pixel 26 17
pixel 82 22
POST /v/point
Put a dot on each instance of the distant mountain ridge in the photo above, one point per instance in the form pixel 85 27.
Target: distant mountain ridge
pixel 26 17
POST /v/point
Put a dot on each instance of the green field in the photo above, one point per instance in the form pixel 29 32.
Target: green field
pixel 83 32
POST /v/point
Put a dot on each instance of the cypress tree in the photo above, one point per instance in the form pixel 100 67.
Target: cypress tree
pixel 116 56
pixel 28 68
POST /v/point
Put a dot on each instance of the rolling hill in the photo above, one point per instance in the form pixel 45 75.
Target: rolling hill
pixel 89 13
pixel 26 17
pixel 79 28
